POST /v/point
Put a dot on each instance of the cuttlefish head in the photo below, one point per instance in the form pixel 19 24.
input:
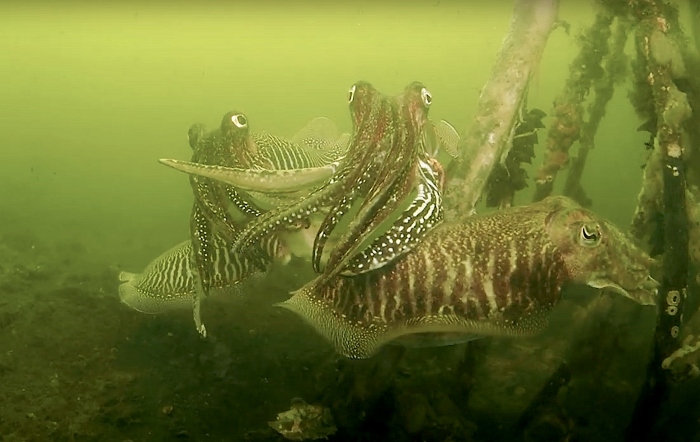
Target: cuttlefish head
pixel 236 142
pixel 232 156
pixel 413 108
pixel 599 254
pixel 378 118
pixel 379 170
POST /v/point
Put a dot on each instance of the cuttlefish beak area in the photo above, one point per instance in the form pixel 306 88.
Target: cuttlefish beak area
pixel 599 254
pixel 259 180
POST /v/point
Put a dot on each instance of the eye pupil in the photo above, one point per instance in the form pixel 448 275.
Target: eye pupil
pixel 351 94
pixel 588 236
pixel 426 96
pixel 239 120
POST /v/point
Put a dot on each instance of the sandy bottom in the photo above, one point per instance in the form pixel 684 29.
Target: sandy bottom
pixel 76 365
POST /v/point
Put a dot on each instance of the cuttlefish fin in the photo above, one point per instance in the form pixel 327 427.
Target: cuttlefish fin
pixel 343 142
pixel 349 339
pixel 317 134
pixel 260 180
pixel 146 302
pixel 360 339
pixel 321 134
pixel 447 137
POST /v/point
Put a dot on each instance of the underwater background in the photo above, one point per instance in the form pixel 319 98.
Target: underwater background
pixel 93 94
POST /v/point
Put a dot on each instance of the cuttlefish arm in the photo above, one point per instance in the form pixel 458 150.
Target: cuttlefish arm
pixel 259 180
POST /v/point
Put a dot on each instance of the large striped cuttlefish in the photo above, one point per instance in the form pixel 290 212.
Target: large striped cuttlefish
pixel 494 274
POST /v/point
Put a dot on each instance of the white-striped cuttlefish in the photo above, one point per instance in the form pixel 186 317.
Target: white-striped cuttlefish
pixel 220 210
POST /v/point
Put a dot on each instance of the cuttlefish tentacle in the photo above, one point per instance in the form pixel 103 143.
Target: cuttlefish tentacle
pixel 221 209
pixel 205 228
pixel 247 207
pixel 275 220
pixel 400 172
pixel 372 134
pixel 495 274
pixel 213 201
pixel 210 216
pixel 335 213
pixel 424 213
pixel 374 210
pixel 380 167
pixel 201 234
pixel 346 182
pixel 260 180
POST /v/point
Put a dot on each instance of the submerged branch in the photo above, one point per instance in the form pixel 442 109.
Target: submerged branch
pixel 657 48
pixel 566 125
pixel 615 70
pixel 488 139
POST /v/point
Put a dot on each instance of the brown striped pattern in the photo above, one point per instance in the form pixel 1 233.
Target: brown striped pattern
pixel 479 270
pixel 495 274
pixel 379 171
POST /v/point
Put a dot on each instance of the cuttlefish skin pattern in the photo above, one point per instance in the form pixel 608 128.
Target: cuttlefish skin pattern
pixel 167 283
pixel 233 145
pixel 210 216
pixel 383 164
pixel 220 210
pixel 265 162
pixel 495 274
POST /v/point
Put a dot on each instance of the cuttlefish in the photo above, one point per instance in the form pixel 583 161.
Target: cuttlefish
pixel 167 283
pixel 494 274
pixel 270 169
pixel 388 180
pixel 219 210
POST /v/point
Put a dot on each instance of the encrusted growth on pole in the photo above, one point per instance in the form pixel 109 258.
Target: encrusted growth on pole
pixel 565 127
pixel 672 109
pixel 662 60
pixel 615 72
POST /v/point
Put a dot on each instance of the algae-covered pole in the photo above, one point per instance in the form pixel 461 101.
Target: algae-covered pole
pixel 672 109
pixel 615 69
pixel 565 127
pixel 487 139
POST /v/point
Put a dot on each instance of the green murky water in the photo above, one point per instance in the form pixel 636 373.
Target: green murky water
pixel 93 94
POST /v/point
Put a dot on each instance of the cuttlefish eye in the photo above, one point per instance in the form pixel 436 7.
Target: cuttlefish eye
pixel 426 96
pixel 351 93
pixel 239 120
pixel 590 235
